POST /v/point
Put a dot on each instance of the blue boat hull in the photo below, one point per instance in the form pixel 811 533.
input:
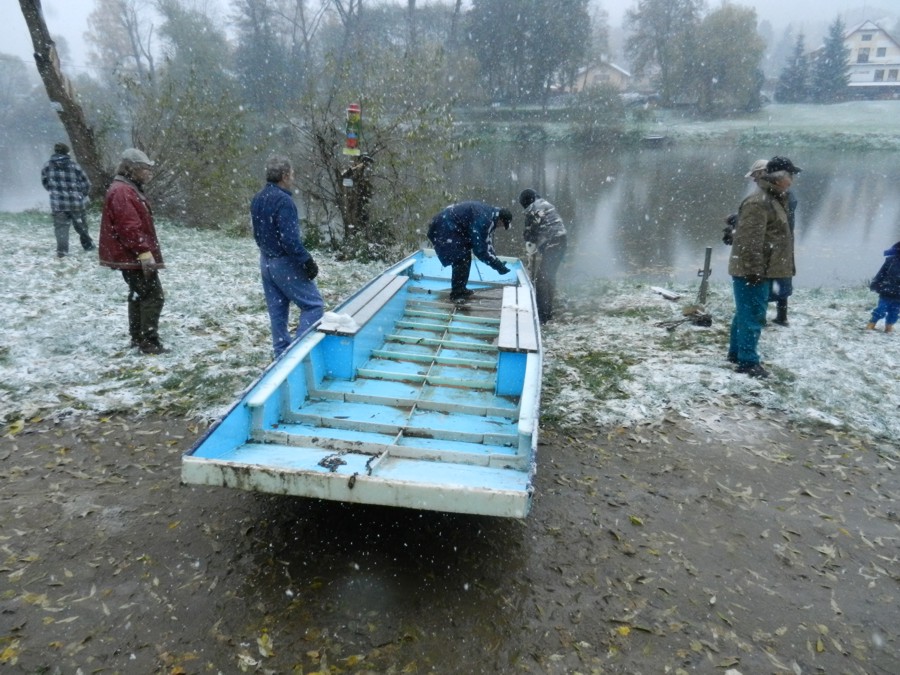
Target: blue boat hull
pixel 398 397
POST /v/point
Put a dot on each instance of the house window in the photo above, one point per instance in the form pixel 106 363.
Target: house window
pixel 879 76
pixel 862 56
pixel 866 37
pixel 881 52
pixel 892 75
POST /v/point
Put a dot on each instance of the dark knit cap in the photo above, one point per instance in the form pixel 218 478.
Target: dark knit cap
pixel 782 164
pixel 527 197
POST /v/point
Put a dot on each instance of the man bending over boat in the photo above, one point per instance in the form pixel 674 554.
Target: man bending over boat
pixel 286 266
pixel 461 230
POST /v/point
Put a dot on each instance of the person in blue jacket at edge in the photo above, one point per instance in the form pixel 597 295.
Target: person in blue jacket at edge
pixel 287 268
pixel 461 230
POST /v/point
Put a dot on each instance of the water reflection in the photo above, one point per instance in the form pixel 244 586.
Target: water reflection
pixel 650 213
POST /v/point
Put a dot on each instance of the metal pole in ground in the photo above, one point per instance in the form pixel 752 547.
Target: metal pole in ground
pixel 704 277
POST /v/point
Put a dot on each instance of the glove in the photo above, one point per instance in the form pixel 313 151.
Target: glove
pixel 311 269
pixel 530 248
pixel 728 232
pixel 148 264
pixel 753 279
pixel 728 236
pixel 502 268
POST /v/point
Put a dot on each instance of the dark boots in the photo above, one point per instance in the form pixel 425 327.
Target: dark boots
pixel 781 312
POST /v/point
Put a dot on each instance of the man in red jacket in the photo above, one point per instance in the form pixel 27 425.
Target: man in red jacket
pixel 128 243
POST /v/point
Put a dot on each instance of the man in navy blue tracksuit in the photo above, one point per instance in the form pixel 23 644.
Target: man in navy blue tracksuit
pixel 286 266
pixel 461 230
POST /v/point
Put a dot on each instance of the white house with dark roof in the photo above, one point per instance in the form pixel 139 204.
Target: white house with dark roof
pixel 874 62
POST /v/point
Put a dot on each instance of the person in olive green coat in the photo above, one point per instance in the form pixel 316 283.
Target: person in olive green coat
pixel 763 250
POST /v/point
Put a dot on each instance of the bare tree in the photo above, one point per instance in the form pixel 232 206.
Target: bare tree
pixel 411 19
pixel 62 95
pixel 122 38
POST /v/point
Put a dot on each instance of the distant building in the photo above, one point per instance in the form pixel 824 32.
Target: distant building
pixel 874 62
pixel 600 74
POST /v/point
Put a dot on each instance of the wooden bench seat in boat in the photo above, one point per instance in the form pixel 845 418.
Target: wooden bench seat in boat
pixel 366 304
pixel 519 336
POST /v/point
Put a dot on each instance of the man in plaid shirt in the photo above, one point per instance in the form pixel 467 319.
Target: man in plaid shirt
pixel 68 187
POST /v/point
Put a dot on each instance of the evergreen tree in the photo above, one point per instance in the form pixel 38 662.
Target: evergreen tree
pixel 830 75
pixel 793 82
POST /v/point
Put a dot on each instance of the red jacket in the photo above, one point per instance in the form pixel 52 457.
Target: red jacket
pixel 126 227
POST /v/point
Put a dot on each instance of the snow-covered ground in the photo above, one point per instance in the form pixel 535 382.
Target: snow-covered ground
pixel 64 342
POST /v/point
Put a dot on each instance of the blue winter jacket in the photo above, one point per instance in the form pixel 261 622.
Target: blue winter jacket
pixel 464 227
pixel 276 227
pixel 887 282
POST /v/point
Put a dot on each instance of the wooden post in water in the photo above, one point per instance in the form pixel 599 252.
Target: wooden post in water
pixel 704 277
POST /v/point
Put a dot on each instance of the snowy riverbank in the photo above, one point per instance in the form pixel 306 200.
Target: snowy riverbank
pixel 64 346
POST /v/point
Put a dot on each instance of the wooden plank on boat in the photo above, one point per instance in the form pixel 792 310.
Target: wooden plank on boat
pixel 509 326
pixel 364 306
pixel 518 331
pixel 525 319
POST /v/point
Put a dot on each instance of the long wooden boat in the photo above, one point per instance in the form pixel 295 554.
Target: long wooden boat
pixel 398 397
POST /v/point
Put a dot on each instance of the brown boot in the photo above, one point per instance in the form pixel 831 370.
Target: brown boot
pixel 888 328
pixel 870 326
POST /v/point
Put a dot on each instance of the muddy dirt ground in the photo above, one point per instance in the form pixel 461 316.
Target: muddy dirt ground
pixel 725 544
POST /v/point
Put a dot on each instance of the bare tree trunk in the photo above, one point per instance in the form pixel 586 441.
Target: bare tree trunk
pixel 412 40
pixel 62 95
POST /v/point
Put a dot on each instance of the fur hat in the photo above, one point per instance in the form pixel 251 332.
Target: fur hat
pixel 61 149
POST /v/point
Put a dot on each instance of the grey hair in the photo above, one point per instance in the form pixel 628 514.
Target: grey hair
pixel 277 167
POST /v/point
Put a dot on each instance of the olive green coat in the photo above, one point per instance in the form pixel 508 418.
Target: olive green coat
pixel 763 245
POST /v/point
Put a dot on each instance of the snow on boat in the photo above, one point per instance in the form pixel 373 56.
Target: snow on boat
pixel 398 397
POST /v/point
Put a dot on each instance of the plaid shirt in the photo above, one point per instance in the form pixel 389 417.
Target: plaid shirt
pixel 66 182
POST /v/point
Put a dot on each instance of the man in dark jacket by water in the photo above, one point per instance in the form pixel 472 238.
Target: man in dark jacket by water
pixel 461 230
pixel 287 268
pixel 68 187
pixel 887 284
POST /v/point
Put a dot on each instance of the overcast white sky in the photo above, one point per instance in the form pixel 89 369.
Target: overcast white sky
pixel 68 18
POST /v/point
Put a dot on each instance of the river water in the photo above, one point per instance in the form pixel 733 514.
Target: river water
pixel 649 214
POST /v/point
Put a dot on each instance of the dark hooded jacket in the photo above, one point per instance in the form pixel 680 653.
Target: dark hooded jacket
pixel 463 227
pixel 887 282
